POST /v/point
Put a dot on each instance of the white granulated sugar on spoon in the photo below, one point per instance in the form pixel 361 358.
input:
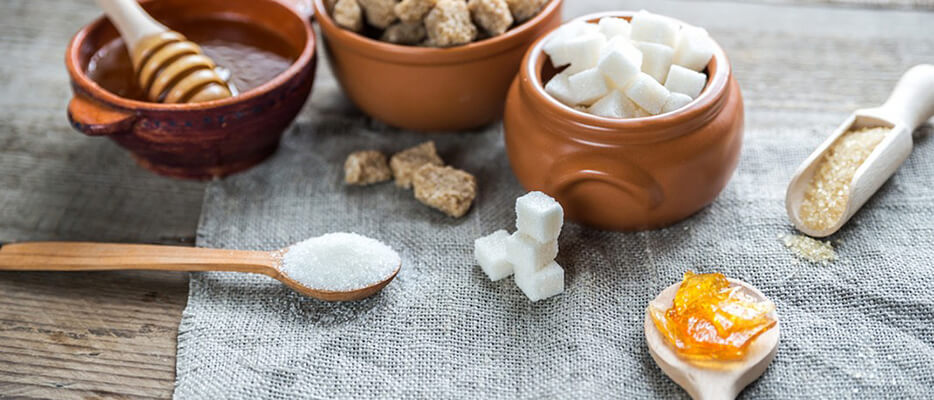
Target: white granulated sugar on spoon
pixel 340 262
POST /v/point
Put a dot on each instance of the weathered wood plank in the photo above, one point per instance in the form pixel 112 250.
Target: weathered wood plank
pixel 85 335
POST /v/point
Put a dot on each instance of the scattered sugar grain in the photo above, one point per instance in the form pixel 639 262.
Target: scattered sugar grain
pixel 340 261
pixel 809 249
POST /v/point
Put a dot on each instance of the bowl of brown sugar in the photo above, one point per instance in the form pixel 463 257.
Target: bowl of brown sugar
pixel 431 65
pixel 269 50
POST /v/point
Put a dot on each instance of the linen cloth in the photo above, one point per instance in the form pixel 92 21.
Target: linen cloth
pixel 862 326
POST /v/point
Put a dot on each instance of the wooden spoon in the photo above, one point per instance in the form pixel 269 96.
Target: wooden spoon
pixel 711 380
pixel 909 106
pixel 75 256
pixel 169 68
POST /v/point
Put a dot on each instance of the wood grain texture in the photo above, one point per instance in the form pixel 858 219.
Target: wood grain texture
pixel 79 335
pixel 112 334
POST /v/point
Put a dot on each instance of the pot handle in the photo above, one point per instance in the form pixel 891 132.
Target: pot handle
pixel 618 172
pixel 95 119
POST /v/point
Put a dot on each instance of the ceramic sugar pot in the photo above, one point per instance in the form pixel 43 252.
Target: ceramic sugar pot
pixel 624 174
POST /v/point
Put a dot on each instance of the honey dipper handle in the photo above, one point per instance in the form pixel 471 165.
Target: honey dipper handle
pixel 77 256
pixel 131 20
pixel 912 101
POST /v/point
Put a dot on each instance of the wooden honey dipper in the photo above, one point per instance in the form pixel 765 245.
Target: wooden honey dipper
pixel 169 68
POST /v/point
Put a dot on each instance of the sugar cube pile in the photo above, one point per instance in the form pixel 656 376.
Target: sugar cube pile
pixel 530 252
pixel 620 69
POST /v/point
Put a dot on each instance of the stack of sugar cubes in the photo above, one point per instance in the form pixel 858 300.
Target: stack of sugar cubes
pixel 530 252
pixel 620 70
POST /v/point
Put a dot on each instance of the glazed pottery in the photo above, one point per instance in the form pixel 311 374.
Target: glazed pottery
pixel 200 140
pixel 624 174
pixel 431 89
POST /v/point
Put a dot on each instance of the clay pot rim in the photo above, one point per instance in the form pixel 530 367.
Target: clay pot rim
pixel 643 129
pixel 80 79
pixel 404 54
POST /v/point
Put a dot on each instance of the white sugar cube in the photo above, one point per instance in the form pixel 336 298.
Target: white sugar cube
pixel 675 102
pixel 588 86
pixel 656 59
pixel 683 80
pixel 610 106
pixel 542 284
pixel 555 47
pixel 646 92
pixel 539 216
pixel 621 64
pixel 490 252
pixel 583 51
pixel 617 105
pixel 527 254
pixel 559 88
pixel 648 27
pixel 612 27
pixel 694 48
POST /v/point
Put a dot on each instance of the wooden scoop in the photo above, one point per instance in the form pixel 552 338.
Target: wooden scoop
pixel 909 106
pixel 712 380
pixel 69 256
pixel 169 68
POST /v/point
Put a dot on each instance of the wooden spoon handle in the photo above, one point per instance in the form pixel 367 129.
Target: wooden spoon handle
pixel 131 20
pixel 912 100
pixel 77 256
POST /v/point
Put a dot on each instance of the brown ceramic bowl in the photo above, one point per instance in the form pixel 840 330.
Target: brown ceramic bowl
pixel 200 140
pixel 429 89
pixel 624 174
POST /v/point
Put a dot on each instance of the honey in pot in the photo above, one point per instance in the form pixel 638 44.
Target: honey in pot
pixel 712 320
pixel 252 54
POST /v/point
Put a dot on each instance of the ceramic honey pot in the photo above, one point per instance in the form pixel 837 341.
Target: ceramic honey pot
pixel 624 174
pixel 198 140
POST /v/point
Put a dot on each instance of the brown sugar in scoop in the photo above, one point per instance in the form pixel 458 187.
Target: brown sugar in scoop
pixel 169 68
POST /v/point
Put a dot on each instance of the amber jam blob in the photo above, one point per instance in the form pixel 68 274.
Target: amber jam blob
pixel 712 320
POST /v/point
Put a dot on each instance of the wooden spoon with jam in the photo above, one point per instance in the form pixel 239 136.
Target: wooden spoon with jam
pixel 712 349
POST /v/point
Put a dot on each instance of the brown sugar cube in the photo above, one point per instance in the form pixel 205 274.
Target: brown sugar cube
pixel 379 13
pixel 404 163
pixel 450 190
pixel 491 15
pixel 523 10
pixel 413 11
pixel 449 24
pixel 348 14
pixel 366 167
pixel 404 33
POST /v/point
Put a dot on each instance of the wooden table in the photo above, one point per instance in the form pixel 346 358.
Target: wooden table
pixel 112 334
